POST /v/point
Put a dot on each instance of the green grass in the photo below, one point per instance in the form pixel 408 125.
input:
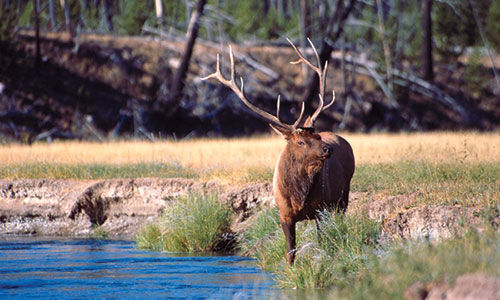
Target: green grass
pixel 194 223
pixel 93 171
pixel 461 183
pixel 390 274
pixel 349 262
pixel 341 254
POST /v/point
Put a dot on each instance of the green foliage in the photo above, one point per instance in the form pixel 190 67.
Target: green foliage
pixel 475 73
pixel 455 27
pixel 192 224
pixel 8 16
pixel 99 233
pixel 389 275
pixel 493 25
pixel 260 23
pixel 133 17
pixel 93 171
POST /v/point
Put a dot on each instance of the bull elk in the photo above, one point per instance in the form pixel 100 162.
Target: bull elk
pixel 314 170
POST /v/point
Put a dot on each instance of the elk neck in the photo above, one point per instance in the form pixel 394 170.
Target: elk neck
pixel 296 178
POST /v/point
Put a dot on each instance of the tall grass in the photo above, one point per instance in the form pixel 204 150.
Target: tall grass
pixel 194 223
pixel 344 246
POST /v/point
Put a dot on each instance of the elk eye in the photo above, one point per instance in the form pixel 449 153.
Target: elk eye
pixel 300 143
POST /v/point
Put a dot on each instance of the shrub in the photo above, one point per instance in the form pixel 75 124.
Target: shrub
pixel 192 224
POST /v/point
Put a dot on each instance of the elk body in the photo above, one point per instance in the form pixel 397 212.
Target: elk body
pixel 314 170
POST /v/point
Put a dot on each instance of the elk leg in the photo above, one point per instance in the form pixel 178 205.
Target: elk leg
pixel 318 229
pixel 344 200
pixel 289 231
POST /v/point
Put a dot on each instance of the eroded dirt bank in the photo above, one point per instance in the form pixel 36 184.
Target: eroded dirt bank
pixel 119 206
pixel 122 206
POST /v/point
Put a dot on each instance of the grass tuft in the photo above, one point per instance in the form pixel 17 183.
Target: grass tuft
pixel 336 260
pixel 194 223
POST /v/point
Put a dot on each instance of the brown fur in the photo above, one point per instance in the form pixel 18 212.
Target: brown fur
pixel 306 180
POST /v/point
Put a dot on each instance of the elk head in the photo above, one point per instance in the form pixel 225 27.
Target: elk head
pixel 300 139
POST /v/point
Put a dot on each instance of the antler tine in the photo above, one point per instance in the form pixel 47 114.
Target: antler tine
pixel 322 73
pixel 278 107
pixel 239 91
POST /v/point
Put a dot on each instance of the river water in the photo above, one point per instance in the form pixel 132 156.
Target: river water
pixel 114 269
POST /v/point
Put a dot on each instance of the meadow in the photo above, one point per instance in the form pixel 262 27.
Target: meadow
pixel 440 168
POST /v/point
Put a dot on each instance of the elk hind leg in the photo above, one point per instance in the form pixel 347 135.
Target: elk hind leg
pixel 289 231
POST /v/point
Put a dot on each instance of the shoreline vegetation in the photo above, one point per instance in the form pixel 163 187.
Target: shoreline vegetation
pixel 351 260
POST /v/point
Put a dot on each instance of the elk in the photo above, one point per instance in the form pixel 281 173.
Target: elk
pixel 314 170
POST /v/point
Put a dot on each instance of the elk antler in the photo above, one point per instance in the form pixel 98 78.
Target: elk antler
pixel 274 120
pixel 322 80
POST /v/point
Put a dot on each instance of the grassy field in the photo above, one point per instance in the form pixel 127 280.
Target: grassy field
pixel 441 167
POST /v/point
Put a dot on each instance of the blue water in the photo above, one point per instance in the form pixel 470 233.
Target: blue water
pixel 113 269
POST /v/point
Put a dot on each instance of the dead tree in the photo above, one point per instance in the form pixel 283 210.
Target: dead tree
pixel 177 86
pixel 427 61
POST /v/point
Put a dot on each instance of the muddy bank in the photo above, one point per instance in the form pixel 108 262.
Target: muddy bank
pixel 122 206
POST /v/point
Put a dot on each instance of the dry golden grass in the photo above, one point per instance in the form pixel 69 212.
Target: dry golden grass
pixel 203 154
pixel 441 167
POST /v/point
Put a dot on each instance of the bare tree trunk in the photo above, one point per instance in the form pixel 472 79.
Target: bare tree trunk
pixel 52 13
pixel 159 9
pixel 178 83
pixel 387 52
pixel 67 17
pixel 427 61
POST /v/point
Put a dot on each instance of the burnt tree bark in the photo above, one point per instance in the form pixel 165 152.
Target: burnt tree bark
pixel 177 86
pixel 427 61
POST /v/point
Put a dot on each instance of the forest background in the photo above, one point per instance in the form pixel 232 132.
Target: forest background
pixel 93 69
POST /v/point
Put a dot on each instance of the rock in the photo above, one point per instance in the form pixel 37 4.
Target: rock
pixel 432 223
pixel 466 287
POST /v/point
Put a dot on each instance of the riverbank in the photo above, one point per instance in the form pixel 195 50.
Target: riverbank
pixel 120 207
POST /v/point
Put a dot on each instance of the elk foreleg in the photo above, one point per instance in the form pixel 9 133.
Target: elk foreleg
pixel 289 231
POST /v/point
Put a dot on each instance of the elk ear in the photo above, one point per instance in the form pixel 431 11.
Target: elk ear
pixel 284 132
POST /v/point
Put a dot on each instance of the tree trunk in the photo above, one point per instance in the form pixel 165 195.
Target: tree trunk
pixel 67 17
pixel 427 61
pixel 159 9
pixel 178 83
pixel 52 13
pixel 108 14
